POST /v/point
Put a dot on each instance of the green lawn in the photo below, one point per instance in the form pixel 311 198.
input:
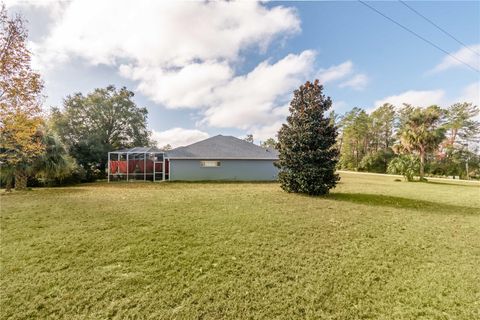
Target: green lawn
pixel 373 249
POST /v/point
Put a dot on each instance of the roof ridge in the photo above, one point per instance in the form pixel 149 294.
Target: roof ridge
pixel 223 147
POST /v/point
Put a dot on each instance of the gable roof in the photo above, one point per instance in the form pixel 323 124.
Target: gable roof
pixel 223 147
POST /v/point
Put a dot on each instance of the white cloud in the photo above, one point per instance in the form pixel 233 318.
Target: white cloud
pixel 471 93
pixel 52 8
pixel 186 87
pixel 357 82
pixel 466 55
pixel 11 3
pixel 183 54
pixel 267 131
pixel 415 98
pixel 178 137
pixel 37 3
pixel 258 97
pixel 335 72
pixel 167 34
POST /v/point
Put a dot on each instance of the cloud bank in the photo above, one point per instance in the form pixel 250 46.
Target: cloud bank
pixel 178 137
pixel 187 55
pixel 425 98
pixel 415 98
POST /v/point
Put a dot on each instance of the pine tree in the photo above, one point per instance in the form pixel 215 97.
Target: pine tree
pixel 308 155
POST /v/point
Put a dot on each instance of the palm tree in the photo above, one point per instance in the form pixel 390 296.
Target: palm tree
pixel 421 131
pixel 55 162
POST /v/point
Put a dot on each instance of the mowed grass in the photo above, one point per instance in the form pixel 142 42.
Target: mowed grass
pixel 373 249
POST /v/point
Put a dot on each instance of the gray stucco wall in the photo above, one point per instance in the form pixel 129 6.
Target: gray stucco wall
pixel 240 170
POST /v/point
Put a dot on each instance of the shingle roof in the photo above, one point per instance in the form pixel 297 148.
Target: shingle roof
pixel 138 150
pixel 223 147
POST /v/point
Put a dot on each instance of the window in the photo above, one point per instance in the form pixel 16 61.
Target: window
pixel 210 164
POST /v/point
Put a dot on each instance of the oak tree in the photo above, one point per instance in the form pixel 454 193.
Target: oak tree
pixel 103 120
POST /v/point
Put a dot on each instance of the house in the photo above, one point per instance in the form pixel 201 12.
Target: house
pixel 216 158
pixel 222 158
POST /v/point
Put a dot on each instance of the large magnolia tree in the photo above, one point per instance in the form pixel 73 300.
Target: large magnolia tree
pixel 306 143
pixel 20 102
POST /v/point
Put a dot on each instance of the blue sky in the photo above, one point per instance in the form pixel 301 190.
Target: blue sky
pixel 204 69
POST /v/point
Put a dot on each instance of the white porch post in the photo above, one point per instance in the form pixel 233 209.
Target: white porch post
pixel 163 167
pixel 127 166
pixel 108 167
pixel 145 166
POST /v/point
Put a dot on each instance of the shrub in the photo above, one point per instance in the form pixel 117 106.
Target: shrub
pixel 376 162
pixel 406 165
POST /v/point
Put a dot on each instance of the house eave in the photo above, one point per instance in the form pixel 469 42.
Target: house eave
pixel 218 158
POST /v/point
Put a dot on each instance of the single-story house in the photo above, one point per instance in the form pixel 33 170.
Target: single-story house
pixel 216 158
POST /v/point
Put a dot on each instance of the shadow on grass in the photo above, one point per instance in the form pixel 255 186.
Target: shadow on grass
pixel 402 203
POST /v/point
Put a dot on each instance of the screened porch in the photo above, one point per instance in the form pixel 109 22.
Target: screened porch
pixel 139 163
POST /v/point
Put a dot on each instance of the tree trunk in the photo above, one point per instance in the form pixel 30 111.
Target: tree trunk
pixel 9 185
pixel 422 164
pixel 341 143
pixel 356 154
pixel 454 137
pixel 20 179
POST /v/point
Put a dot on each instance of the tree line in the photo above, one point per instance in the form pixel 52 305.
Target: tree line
pixel 70 144
pixel 407 140
pixel 421 140
pixel 65 145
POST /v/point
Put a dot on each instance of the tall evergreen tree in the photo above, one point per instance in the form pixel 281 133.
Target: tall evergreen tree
pixel 308 155
pixel 461 123
pixel 354 138
pixel 382 125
